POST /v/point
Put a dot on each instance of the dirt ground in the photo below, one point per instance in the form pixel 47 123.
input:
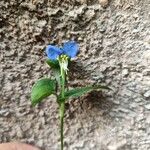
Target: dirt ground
pixel 114 44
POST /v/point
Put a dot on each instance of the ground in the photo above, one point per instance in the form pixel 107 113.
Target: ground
pixel 114 42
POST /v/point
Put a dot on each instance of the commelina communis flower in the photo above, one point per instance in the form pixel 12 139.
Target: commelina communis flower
pixel 69 50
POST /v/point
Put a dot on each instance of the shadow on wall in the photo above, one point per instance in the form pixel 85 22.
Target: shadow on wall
pixel 78 71
pixel 94 103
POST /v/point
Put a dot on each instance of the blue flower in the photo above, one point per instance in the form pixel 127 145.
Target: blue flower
pixel 69 49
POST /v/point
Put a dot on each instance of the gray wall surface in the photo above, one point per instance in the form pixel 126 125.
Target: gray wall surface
pixel 114 50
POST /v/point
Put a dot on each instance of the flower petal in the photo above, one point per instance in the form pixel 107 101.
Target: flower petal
pixel 70 49
pixel 53 52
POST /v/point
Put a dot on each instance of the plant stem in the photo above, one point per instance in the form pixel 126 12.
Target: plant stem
pixel 62 108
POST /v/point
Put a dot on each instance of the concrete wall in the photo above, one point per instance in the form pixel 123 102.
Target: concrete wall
pixel 114 50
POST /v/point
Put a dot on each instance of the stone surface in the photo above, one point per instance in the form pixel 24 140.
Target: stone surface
pixel 147 94
pixel 103 2
pixel 114 50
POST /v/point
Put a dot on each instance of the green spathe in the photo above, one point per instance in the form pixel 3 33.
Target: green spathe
pixel 42 89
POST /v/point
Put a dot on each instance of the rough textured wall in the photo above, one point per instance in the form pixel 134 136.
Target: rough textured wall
pixel 114 50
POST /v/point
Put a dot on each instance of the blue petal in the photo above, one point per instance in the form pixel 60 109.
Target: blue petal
pixel 53 52
pixel 70 49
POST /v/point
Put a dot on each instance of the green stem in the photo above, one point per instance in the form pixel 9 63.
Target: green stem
pixel 62 108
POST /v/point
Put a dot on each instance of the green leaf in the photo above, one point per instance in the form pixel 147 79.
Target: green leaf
pixel 53 64
pixel 80 91
pixel 42 89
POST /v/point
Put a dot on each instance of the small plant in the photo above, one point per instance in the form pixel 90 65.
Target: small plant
pixel 58 60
